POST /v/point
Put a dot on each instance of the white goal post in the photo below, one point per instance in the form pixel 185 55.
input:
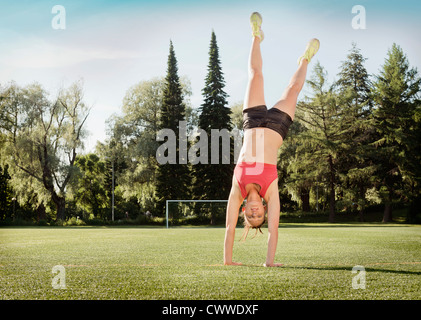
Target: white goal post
pixel 168 201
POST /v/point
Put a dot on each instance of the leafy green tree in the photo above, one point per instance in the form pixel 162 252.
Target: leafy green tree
pixel 133 143
pixel 173 180
pixel 90 192
pixel 42 139
pixel 396 97
pixel 237 115
pixel 6 194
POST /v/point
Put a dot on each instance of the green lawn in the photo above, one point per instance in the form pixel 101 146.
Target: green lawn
pixel 186 263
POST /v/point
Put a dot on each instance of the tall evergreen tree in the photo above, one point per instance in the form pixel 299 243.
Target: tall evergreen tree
pixel 213 181
pixel 396 96
pixel 293 180
pixel 173 180
pixel 412 168
pixel 318 145
pixel 356 165
pixel 354 80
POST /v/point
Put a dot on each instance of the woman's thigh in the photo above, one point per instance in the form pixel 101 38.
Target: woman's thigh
pixel 255 92
pixel 288 101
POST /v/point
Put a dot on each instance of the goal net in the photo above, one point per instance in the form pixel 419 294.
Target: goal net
pixel 195 212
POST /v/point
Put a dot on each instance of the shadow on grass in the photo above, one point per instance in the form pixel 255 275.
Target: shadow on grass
pixel 343 225
pixel 344 268
pixel 330 268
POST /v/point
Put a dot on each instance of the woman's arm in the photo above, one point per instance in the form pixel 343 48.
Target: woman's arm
pixel 234 203
pixel 273 223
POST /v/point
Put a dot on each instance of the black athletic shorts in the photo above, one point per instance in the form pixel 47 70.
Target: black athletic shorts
pixel 261 117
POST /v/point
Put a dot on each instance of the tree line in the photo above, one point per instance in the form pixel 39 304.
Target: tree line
pixel 354 143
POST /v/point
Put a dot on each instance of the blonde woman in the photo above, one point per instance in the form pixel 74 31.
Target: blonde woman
pixel 255 176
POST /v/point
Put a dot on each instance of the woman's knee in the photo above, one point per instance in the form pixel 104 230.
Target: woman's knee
pixel 255 72
pixel 294 88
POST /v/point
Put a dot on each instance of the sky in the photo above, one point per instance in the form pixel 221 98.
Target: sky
pixel 113 45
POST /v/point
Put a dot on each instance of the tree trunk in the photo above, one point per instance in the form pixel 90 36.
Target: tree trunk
pixel 41 214
pixel 332 191
pixel 387 214
pixel 305 199
pixel 361 215
pixel 413 210
pixel 60 203
pixel 362 205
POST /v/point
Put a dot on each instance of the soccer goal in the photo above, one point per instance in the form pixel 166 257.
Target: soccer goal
pixel 206 211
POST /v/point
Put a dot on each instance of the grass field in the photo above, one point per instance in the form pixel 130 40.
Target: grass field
pixel 186 263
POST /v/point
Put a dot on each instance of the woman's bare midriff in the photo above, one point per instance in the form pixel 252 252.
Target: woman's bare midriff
pixel 260 145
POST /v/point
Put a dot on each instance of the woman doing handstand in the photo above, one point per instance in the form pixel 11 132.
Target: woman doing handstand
pixel 255 176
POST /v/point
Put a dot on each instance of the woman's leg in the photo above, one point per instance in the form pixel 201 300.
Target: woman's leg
pixel 255 93
pixel 288 100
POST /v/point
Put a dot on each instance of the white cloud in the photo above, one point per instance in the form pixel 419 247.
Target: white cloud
pixel 38 53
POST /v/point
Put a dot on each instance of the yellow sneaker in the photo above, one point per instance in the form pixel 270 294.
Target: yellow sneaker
pixel 312 47
pixel 256 22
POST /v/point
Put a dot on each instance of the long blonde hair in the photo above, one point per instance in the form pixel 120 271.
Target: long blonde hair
pixel 247 228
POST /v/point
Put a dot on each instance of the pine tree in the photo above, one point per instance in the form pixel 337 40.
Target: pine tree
pixel 214 111
pixel 356 166
pixel 412 168
pixel 317 149
pixel 213 181
pixel 173 180
pixel 293 181
pixel 353 77
pixel 396 96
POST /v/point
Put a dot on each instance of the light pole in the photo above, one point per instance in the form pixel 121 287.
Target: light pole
pixel 112 187
pixel 14 204
pixel 112 194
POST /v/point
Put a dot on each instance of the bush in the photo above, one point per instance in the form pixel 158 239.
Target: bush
pixel 74 221
pixel 43 223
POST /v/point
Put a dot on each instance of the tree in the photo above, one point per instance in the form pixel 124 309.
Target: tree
pixel 356 163
pixel 213 180
pixel 42 140
pixel 89 189
pixel 173 180
pixel 293 182
pixel 237 115
pixel 319 144
pixel 396 97
pixel 132 140
pixel 412 168
pixel 6 194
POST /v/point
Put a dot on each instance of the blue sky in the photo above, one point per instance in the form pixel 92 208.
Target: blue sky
pixel 113 45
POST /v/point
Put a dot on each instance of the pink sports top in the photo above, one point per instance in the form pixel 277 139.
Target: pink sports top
pixel 255 172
